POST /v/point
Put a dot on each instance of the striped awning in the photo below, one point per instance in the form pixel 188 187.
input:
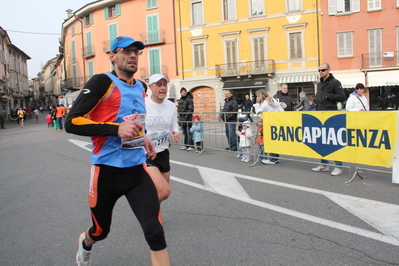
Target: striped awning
pixel 298 79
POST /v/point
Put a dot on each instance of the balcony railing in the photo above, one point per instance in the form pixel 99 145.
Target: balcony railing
pixel 380 60
pixel 245 69
pixel 153 37
pixel 88 51
pixel 77 83
pixel 146 72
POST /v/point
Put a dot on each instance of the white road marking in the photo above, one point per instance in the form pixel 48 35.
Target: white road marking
pixel 382 216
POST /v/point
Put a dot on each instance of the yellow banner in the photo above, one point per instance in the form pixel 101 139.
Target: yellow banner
pixel 354 137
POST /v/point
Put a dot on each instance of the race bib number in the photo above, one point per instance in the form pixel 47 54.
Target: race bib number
pixel 159 137
pixel 137 141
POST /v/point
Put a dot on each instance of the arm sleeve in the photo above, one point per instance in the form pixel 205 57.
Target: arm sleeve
pixel 77 121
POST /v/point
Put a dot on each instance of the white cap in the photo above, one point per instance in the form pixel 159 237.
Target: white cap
pixel 246 123
pixel 157 77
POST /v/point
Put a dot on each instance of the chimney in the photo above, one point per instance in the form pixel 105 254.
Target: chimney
pixel 69 12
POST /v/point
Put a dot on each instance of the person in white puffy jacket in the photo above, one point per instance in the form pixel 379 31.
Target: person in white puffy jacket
pixel 245 140
pixel 357 101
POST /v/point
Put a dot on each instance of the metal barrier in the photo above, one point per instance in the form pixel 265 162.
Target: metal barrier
pixel 215 139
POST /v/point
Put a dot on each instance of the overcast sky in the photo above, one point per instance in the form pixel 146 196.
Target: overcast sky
pixel 34 26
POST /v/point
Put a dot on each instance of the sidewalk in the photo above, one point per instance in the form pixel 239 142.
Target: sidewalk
pixel 29 122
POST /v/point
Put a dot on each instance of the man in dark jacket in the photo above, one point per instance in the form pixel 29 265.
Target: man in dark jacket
pixel 186 109
pixel 284 97
pixel 329 92
pixel 231 107
pixel 248 107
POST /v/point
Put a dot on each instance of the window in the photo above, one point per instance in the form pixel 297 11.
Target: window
pixel 72 30
pixel 375 47
pixel 153 29
pixel 199 55
pixel 151 4
pixel 345 44
pixel 88 20
pixel 374 5
pixel 295 45
pixel 112 32
pixel 293 5
pixel 229 9
pixel 154 61
pixel 90 68
pixel 89 45
pixel 257 7
pixel 343 6
pixel 231 51
pixel 112 11
pixel 75 75
pixel 259 49
pixel 196 13
pixel 73 51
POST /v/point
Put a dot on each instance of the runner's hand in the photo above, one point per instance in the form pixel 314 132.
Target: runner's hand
pixel 176 136
pixel 150 148
pixel 130 128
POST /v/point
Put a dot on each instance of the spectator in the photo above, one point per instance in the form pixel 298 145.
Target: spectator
pixel 265 103
pixel 303 104
pixel 284 97
pixel 229 116
pixel 248 104
pixel 186 108
pixel 357 101
pixel 329 93
pixel 245 136
pixel 2 118
pixel 198 133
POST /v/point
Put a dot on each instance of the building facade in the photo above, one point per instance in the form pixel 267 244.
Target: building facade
pixel 247 45
pixel 88 32
pixel 361 44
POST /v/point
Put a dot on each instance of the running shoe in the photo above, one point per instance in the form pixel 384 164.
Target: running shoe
pixel 83 256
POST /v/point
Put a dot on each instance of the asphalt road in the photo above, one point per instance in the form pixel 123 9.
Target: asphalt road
pixel 220 212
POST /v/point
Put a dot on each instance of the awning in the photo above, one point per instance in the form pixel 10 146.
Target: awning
pixel 298 79
pixel 245 84
pixel 349 79
pixel 383 78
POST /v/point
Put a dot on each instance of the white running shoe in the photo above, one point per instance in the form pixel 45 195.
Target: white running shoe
pixel 268 162
pixel 336 171
pixel 321 168
pixel 264 161
pixel 238 156
pixel 190 149
pixel 183 148
pixel 83 256
pixel 246 161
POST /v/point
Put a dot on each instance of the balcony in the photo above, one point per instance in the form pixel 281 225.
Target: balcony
pixel 88 51
pixel 76 83
pixel 27 93
pixel 146 72
pixel 245 69
pixel 153 37
pixel 380 60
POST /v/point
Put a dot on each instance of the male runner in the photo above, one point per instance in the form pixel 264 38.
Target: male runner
pixel 161 122
pixel 111 110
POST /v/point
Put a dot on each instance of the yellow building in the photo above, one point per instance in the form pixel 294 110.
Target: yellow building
pixel 246 45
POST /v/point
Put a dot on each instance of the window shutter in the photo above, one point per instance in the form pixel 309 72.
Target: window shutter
pixel 341 45
pixel 84 22
pixel 332 7
pixel 355 5
pixel 118 9
pixel 155 62
pixel 91 18
pixel 349 46
pixel 106 12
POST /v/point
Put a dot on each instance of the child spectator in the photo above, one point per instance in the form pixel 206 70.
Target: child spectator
pixel 198 133
pixel 239 128
pixel 245 140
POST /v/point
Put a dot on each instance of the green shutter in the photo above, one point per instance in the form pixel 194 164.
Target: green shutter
pixel 113 33
pixel 91 18
pixel 73 51
pixel 118 9
pixel 155 61
pixel 90 67
pixel 106 12
pixel 152 28
pixel 88 43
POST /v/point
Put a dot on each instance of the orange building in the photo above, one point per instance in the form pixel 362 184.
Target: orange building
pixel 88 32
pixel 360 41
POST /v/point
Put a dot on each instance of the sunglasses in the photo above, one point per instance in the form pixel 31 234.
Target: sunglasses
pixel 128 51
pixel 322 70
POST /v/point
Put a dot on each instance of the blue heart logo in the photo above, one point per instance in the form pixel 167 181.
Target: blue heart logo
pixel 324 139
